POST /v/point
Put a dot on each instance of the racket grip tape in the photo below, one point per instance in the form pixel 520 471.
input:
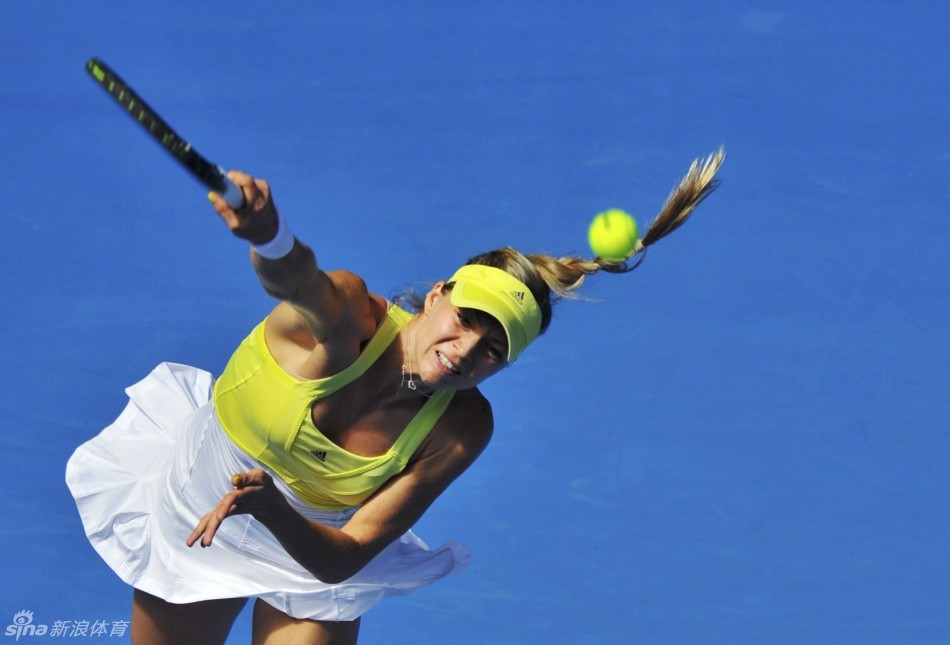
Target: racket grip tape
pixel 230 192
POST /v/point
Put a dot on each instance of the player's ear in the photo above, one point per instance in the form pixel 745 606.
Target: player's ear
pixel 435 293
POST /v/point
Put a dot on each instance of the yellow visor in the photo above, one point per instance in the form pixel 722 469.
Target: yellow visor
pixel 504 298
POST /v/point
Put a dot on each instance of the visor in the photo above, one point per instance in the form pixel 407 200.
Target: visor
pixel 504 298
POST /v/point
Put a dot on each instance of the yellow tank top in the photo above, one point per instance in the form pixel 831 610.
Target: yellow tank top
pixel 266 412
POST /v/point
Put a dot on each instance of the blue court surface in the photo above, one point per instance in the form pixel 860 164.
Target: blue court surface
pixel 743 441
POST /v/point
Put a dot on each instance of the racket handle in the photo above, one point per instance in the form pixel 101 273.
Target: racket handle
pixel 230 193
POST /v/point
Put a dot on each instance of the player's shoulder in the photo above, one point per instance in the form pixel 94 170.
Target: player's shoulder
pixel 359 305
pixel 469 419
pixel 350 316
pixel 348 284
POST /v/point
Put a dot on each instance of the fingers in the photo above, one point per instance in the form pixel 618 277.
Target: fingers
pixel 225 212
pixel 245 498
pixel 256 191
pixel 253 477
pixel 191 539
pixel 204 531
pixel 214 520
pixel 207 527
pixel 223 511
pixel 256 221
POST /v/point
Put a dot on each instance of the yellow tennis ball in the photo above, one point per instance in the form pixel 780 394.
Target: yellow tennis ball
pixel 612 235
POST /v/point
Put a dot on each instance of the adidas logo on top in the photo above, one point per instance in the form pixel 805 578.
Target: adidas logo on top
pixel 320 455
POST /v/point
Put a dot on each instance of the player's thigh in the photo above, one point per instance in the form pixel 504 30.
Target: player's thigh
pixel 274 627
pixel 156 622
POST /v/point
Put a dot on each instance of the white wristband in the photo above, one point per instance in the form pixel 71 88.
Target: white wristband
pixel 278 247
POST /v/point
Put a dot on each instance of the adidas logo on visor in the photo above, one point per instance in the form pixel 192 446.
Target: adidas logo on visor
pixel 517 295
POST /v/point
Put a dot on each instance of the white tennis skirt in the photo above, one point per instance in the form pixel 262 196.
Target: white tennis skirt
pixel 143 484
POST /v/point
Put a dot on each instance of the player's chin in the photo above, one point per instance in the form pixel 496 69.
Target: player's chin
pixel 464 382
pixel 443 381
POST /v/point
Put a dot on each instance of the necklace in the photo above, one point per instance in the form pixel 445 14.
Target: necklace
pixel 407 356
pixel 410 383
pixel 407 367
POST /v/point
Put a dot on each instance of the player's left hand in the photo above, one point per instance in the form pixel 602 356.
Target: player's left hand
pixel 254 494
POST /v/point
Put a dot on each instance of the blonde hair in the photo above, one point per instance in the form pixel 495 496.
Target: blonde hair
pixel 549 279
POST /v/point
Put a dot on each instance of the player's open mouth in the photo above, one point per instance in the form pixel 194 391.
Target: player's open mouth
pixel 446 363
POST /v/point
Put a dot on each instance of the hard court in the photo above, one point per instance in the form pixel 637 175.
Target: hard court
pixel 743 441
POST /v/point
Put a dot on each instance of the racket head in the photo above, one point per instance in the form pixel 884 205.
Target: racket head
pixel 210 175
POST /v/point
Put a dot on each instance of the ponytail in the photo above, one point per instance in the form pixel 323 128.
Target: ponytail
pixel 551 279
pixel 699 182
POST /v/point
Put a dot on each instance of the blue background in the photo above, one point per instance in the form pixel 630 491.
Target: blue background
pixel 743 441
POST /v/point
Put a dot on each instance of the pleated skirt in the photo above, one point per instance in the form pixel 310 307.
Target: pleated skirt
pixel 145 481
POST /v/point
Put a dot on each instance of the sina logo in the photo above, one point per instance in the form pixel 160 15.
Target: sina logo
pixel 517 295
pixel 23 626
pixel 320 455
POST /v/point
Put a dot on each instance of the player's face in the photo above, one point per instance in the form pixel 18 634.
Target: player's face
pixel 456 348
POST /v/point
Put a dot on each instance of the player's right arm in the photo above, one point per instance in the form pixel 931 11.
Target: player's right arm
pixel 334 310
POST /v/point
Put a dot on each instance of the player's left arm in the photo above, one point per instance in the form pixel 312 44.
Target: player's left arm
pixel 333 555
pixel 396 507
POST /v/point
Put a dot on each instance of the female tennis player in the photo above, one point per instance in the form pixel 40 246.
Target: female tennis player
pixel 295 478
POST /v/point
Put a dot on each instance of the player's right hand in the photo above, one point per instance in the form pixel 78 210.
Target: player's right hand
pixel 256 221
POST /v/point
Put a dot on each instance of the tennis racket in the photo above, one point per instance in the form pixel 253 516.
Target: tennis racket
pixel 209 174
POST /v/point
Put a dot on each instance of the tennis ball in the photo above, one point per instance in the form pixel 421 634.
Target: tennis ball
pixel 612 235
